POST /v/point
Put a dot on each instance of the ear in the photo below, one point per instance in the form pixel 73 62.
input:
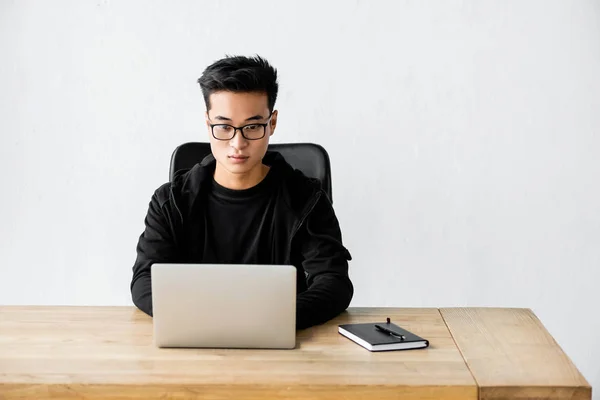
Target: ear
pixel 273 121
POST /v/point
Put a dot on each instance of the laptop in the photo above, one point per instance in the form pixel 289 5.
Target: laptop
pixel 224 306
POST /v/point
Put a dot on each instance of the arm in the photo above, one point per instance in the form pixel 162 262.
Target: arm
pixel 156 244
pixel 325 262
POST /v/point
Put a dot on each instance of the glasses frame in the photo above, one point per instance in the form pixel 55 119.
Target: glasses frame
pixel 241 129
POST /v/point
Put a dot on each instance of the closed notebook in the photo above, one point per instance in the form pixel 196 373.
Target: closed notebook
pixel 387 336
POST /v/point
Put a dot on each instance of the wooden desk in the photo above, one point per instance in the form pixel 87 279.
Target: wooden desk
pixel 107 352
pixel 512 356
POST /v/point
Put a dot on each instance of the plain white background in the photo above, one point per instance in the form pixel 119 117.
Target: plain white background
pixel 464 137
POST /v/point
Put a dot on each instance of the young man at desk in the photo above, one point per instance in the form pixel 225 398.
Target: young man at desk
pixel 244 205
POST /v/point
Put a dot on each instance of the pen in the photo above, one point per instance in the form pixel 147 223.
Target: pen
pixel 389 332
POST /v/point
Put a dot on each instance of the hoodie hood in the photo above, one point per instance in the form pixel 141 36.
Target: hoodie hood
pixel 297 188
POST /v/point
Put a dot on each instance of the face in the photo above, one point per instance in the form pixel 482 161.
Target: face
pixel 239 155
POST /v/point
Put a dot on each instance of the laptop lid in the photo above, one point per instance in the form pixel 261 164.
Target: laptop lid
pixel 224 306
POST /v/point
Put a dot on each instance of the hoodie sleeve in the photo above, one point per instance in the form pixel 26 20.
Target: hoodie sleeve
pixel 325 262
pixel 156 244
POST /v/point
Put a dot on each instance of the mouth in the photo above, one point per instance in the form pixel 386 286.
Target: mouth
pixel 237 159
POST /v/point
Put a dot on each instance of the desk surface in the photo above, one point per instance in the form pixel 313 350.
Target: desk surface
pixel 511 355
pixel 107 352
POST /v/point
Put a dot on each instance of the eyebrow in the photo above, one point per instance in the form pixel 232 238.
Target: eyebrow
pixel 253 118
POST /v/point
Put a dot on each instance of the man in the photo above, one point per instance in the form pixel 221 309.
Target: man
pixel 244 205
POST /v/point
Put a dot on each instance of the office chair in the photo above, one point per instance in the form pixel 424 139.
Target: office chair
pixel 312 159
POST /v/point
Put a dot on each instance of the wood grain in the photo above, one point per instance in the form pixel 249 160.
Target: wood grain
pixel 107 352
pixel 512 355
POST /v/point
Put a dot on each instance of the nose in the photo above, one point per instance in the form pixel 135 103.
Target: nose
pixel 238 141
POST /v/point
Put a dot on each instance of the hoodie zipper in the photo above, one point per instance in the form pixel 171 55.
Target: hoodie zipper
pixel 175 204
pixel 304 216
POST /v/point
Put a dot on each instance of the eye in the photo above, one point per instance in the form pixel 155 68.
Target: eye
pixel 252 128
pixel 223 128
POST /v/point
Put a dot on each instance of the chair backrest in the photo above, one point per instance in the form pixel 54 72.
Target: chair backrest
pixel 310 158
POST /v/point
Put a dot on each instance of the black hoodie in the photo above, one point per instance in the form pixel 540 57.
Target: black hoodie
pixel 309 238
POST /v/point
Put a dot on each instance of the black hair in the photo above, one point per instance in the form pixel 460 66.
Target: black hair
pixel 240 74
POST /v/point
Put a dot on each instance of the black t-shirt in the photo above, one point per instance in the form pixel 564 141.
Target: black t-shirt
pixel 240 223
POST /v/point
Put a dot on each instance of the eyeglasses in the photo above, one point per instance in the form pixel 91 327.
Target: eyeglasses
pixel 249 132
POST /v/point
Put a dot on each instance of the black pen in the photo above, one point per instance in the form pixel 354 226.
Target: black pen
pixel 389 332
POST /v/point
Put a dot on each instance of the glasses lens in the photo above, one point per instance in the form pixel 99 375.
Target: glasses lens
pixel 223 132
pixel 254 132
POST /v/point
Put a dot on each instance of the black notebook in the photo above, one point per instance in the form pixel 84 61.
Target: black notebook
pixel 382 336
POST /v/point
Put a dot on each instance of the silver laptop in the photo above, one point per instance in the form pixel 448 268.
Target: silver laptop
pixel 224 306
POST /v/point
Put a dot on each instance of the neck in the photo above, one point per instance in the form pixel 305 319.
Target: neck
pixel 240 181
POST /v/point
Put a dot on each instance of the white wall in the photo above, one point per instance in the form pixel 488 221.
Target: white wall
pixel 464 138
